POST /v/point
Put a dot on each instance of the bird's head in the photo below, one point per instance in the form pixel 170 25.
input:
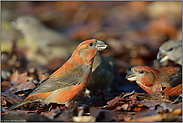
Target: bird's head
pixel 170 50
pixel 143 75
pixel 87 50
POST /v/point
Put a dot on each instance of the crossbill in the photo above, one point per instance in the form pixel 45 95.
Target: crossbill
pixel 66 83
pixel 102 74
pixel 39 38
pixel 170 50
pixel 167 79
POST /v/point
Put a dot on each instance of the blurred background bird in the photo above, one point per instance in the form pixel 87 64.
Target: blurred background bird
pixel 168 80
pixel 43 43
pixel 102 74
pixel 170 50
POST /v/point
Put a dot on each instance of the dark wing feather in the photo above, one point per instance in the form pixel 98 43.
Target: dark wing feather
pixel 173 79
pixel 66 79
pixel 176 79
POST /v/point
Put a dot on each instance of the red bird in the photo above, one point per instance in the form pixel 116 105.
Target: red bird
pixel 167 80
pixel 69 80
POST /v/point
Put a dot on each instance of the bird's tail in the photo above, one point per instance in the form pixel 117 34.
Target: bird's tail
pixel 174 91
pixel 18 105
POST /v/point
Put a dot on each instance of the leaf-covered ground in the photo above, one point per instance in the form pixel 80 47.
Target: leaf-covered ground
pixel 133 30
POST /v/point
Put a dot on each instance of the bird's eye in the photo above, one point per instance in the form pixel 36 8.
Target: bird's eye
pixel 141 71
pixel 91 44
pixel 170 49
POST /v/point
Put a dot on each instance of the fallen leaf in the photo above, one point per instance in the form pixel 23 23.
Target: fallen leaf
pixel 24 118
pixel 84 119
pixel 165 105
pixel 9 97
pixel 4 85
pixel 177 112
pixel 65 116
pixel 114 101
pixel 24 86
pixel 94 111
pixel 22 77
pixel 152 118
pixel 14 77
pixel 17 78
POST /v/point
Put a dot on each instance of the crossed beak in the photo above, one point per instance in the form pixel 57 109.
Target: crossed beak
pixel 101 45
pixel 161 57
pixel 131 76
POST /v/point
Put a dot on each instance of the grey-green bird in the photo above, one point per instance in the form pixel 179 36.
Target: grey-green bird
pixel 170 50
pixel 40 38
pixel 102 74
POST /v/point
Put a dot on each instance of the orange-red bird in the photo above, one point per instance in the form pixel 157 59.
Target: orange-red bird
pixel 65 84
pixel 168 80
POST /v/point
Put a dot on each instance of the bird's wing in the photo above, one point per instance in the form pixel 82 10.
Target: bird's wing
pixel 172 77
pixel 57 82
